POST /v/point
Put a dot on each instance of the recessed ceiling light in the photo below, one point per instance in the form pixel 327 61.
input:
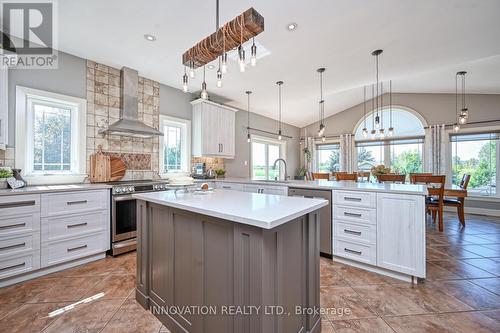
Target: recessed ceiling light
pixel 210 66
pixel 291 26
pixel 149 37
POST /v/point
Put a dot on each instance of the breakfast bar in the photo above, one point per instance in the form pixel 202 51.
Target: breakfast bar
pixel 228 261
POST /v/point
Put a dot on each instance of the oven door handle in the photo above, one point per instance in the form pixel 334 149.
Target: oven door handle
pixel 123 198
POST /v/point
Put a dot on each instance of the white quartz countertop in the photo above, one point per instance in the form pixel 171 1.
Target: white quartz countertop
pixel 323 184
pixel 53 188
pixel 265 211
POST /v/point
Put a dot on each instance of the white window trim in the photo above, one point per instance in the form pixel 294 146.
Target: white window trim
pixel 185 148
pixel 4 113
pixel 319 142
pixel 79 141
pixel 267 140
pixel 449 161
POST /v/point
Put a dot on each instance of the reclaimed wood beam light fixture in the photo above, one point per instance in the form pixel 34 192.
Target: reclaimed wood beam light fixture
pixel 231 35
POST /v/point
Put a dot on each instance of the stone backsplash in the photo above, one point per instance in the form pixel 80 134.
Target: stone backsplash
pixel 103 108
pixel 7 157
pixel 210 162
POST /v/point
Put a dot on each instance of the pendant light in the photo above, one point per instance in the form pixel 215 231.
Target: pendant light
pixel 373 132
pixel 241 58
pixel 253 49
pixel 364 132
pixel 321 131
pixel 192 73
pixel 391 129
pixel 279 83
pixel 456 127
pixel 204 92
pixel 464 111
pixel 219 71
pixel 185 81
pixel 224 62
pixel 376 54
pixel 248 115
pixel 381 130
pixel 219 75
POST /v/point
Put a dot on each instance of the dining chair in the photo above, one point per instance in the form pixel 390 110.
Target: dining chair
pixel 347 176
pixel 364 176
pixel 434 201
pixel 459 202
pixel 321 175
pixel 412 176
pixel 334 174
pixel 392 178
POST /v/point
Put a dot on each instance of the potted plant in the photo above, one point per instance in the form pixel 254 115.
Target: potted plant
pixel 301 174
pixel 220 173
pixel 380 170
pixel 5 172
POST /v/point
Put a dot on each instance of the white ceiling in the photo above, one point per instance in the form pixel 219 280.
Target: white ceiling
pixel 425 42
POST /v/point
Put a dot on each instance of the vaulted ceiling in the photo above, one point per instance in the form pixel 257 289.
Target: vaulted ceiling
pixel 425 42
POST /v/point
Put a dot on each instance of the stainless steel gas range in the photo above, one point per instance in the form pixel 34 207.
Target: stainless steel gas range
pixel 123 212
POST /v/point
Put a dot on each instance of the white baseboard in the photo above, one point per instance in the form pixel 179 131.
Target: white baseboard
pixel 476 211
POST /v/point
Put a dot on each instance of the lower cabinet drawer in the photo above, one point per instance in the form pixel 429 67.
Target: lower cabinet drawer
pixel 19 264
pixel 358 233
pixel 21 223
pixel 63 227
pixel 18 245
pixel 356 251
pixel 354 214
pixel 61 251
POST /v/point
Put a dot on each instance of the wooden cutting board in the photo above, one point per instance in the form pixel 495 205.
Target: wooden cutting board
pixel 118 168
pixel 100 167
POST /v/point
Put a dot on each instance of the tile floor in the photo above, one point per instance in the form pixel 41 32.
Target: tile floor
pixel 461 293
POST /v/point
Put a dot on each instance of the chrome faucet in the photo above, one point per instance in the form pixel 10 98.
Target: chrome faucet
pixel 274 167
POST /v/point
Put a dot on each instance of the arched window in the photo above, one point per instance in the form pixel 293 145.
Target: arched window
pixel 402 152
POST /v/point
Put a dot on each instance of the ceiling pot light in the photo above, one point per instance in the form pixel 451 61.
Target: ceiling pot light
pixel 149 37
pixel 210 66
pixel 292 26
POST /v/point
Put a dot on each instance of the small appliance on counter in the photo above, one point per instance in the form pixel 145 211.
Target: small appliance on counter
pixel 200 172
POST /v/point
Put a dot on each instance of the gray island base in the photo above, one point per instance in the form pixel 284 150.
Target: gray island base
pixel 200 273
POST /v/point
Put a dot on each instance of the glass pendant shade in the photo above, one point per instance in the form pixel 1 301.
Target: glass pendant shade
pixel 192 73
pixel 391 131
pixel 382 133
pixel 223 66
pixel 219 78
pixel 456 128
pixel 204 92
pixel 185 83
pixel 253 59
pixel 364 132
pixel 241 57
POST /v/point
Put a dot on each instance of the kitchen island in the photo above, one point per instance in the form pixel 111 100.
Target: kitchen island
pixel 229 261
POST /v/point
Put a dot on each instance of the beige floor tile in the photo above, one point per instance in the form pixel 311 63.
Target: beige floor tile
pixel 344 303
pixel 114 286
pixel 370 325
pixel 29 318
pixel 131 317
pixel 469 293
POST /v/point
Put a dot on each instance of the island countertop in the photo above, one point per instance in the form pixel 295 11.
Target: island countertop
pixel 265 211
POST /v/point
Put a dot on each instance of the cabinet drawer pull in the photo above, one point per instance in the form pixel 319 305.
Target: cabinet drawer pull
pixel 12 226
pixel 13 266
pixel 227 187
pixel 17 204
pixel 352 232
pixel 352 251
pixel 10 247
pixel 76 225
pixel 76 202
pixel 352 214
pixel 352 199
pixel 76 248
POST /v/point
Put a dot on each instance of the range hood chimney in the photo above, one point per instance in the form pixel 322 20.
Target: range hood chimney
pixel 129 123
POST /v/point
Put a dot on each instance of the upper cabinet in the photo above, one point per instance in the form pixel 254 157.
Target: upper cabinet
pixel 213 129
pixel 3 107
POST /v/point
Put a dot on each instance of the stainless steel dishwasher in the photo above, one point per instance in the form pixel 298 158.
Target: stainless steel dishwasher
pixel 325 231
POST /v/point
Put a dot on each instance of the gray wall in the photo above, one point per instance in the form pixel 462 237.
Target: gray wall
pixel 68 79
pixel 435 108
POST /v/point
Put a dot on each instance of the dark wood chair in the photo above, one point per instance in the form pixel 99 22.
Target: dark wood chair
pixel 459 202
pixel 347 176
pixel 392 178
pixel 334 174
pixel 412 176
pixel 434 202
pixel 364 176
pixel 320 175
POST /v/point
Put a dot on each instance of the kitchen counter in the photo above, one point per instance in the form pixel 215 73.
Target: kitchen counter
pixel 323 184
pixel 53 188
pixel 259 210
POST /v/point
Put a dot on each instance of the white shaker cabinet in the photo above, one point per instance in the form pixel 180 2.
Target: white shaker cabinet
pixel 401 233
pixel 213 129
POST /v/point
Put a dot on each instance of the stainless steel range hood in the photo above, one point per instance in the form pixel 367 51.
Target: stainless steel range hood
pixel 129 123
